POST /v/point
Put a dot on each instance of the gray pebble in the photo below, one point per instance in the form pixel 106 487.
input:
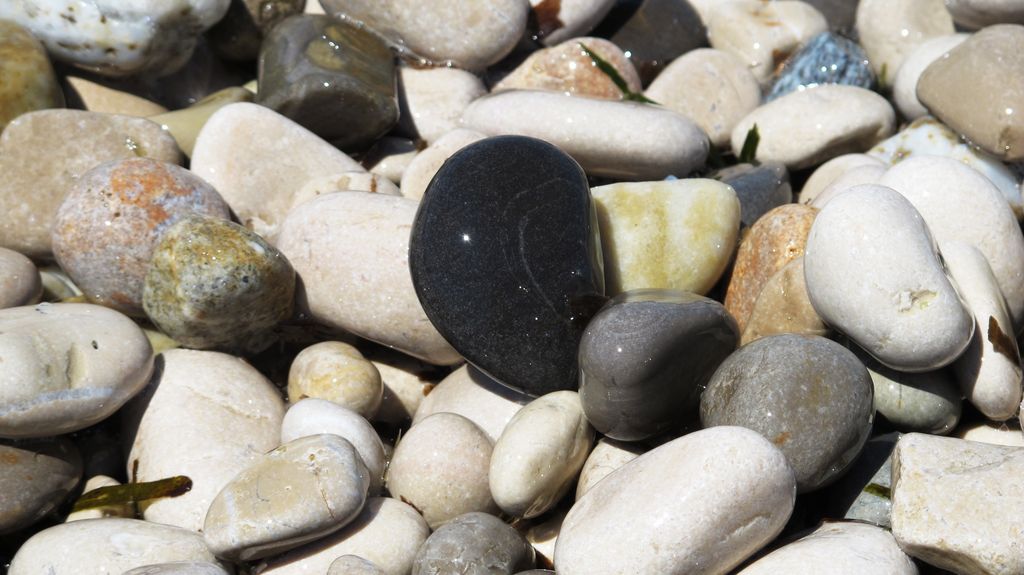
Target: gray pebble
pixel 474 544
pixel 36 476
pixel 808 395
pixel 760 188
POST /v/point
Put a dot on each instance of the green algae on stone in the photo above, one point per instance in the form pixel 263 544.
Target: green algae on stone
pixel 28 79
pixel 214 284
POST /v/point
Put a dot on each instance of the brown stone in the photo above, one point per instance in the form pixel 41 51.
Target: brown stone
pixel 774 240
pixel 28 79
pixel 784 307
pixel 977 90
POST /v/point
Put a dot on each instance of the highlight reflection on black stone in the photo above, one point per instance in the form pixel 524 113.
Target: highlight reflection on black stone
pixel 505 258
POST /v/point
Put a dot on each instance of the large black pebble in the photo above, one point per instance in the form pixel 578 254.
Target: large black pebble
pixel 506 260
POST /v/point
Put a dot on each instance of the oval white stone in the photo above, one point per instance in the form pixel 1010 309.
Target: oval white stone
pixel 837 549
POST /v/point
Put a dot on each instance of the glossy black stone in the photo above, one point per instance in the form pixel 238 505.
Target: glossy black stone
pixel 653 32
pixel 334 78
pixel 760 188
pixel 646 357
pixel 505 258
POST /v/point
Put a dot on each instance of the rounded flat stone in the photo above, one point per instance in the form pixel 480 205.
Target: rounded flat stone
pixel 646 357
pixel 36 476
pixel 928 402
pixel 215 284
pixel 238 35
pixel 705 501
pixel 818 408
pixel 474 544
pixel 299 492
pixel 67 366
pixel 20 280
pixel 432 100
pixel 565 19
pixel 523 232
pixel 111 220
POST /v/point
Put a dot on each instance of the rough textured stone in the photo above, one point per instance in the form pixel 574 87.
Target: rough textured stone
pixel 299 492
pixel 357 244
pixel 441 468
pixel 809 396
pixel 475 241
pixel 332 77
pixel 706 501
pixel 67 366
pixel 676 234
pixel 954 503
pixel 29 81
pixel 111 220
pixel 215 284
pixel 474 544
pixel 58 135
pixel 776 239
pixel 646 357
pixel 36 476
pixel 711 87
pixel 967 90
pixel 539 454
pixel 903 311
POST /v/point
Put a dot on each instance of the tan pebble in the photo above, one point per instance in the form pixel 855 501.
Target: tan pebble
pixel 890 30
pixel 186 123
pixel 96 97
pixel 422 168
pixel 472 394
pixel 20 281
pixel 337 372
pixel 828 172
pixel 568 68
pixel 433 99
pixel 783 306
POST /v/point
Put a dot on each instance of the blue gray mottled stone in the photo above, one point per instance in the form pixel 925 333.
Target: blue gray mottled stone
pixel 828 58
pixel 862 493
pixel 760 188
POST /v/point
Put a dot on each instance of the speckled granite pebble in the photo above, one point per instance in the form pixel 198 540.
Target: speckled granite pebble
pixel 29 82
pixel 215 284
pixel 827 58
pixel 111 220
pixel 474 544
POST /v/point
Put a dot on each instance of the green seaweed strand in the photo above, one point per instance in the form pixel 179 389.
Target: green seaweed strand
pixel 133 493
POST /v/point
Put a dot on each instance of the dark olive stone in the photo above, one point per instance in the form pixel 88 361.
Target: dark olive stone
pixel 759 188
pixel 334 78
pixel 506 260
pixel 808 395
pixel 653 32
pixel 474 544
pixel 828 58
pixel 240 32
pixel 646 357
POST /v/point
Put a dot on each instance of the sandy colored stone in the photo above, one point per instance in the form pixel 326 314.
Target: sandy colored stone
pixel 59 136
pixel 955 503
pixel 336 371
pixel 967 89
pixel 783 306
pixel 36 477
pixel 889 31
pixel 622 140
pixel 20 282
pixel 299 492
pixel 700 503
pixel 108 546
pixel 350 250
pixel 873 272
pixel 67 366
pixel 213 284
pixel 470 37
pixel 778 238
pixel 958 203
pixel 441 468
pixel 930 137
pixel 472 394
pixel 607 456
pixel 974 14
pixel 567 68
pixel 234 418
pixel 808 127
pixel 345 182
pixel 904 87
pixel 991 432
pixel 186 123
pixel 831 170
pixel 387 532
pixel 539 454
pixel 763 34
pixel 675 234
pixel 837 549
pixel 96 97
pixel 258 159
pixel 316 416
pixel 989 370
pixel 421 169
pixel 109 224
pixel 432 100
pixel 29 82
pixel 711 87
pixel 180 568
